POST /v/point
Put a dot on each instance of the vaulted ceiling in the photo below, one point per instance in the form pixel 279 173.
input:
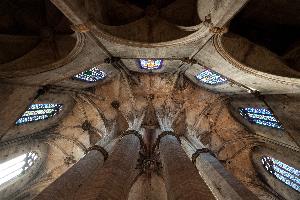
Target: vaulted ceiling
pixel 254 45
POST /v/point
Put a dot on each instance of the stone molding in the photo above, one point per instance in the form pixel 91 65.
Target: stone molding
pixel 80 28
pixel 198 152
pixel 217 43
pixel 138 135
pixel 100 149
pixel 201 33
pixel 163 134
pixel 81 40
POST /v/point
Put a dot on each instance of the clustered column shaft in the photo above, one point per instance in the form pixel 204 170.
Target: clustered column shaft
pixel 114 180
pixel 89 179
pixel 66 185
pixel 222 183
pixel 182 178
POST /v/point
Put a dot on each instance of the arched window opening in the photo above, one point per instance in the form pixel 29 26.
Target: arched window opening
pixel 91 75
pixel 17 166
pixel 37 112
pixel 150 64
pixel 260 116
pixel 283 172
pixel 211 78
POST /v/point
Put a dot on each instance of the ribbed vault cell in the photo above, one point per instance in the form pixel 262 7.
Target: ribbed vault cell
pixel 145 21
pixel 33 34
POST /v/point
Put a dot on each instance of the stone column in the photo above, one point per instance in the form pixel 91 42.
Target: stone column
pixel 223 185
pixel 66 185
pixel 114 180
pixel 182 178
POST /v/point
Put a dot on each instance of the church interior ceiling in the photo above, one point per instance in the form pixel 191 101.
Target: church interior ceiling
pixel 222 74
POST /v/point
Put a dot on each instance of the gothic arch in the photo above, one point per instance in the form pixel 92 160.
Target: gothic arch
pixel 282 154
pixel 29 64
pixel 247 57
pixel 285 135
pixel 14 150
pixel 29 128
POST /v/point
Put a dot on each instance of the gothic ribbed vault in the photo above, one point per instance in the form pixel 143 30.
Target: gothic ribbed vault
pixel 172 99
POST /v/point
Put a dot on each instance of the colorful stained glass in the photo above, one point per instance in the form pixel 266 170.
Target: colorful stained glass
pixel 211 78
pixel 150 64
pixel 17 166
pixel 260 116
pixel 91 75
pixel 38 112
pixel 283 172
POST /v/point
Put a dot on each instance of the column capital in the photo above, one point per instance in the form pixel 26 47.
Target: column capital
pixel 199 151
pixel 98 148
pixel 138 135
pixel 163 134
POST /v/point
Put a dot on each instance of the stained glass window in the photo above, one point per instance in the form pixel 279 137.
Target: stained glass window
pixel 211 78
pixel 150 64
pixel 38 112
pixel 283 172
pixel 16 166
pixel 91 75
pixel 260 116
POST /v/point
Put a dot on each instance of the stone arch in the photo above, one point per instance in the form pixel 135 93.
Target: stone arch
pixel 29 128
pixel 287 156
pixel 221 49
pixel 286 135
pixel 38 60
pixel 129 19
pixel 110 72
pixel 13 150
pixel 16 46
pixel 256 57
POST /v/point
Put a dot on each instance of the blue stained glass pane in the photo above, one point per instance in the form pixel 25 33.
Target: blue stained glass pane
pixel 91 75
pixel 38 112
pixel 211 78
pixel 150 64
pixel 260 116
pixel 283 172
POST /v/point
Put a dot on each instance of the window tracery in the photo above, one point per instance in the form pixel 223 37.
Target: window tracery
pixel 283 172
pixel 91 75
pixel 150 64
pixel 17 166
pixel 260 116
pixel 37 112
pixel 211 78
